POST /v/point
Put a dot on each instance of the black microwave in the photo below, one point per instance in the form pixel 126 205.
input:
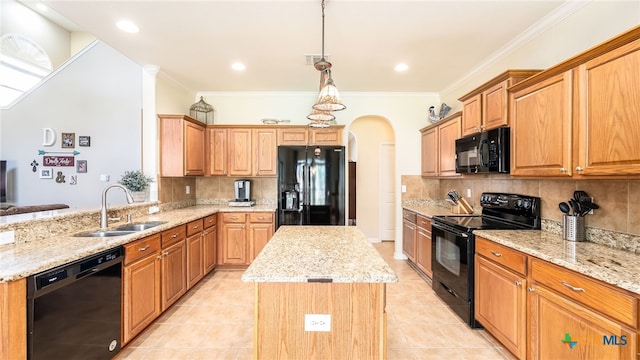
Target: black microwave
pixel 484 152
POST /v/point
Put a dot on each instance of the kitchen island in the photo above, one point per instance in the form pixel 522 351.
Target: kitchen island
pixel 332 273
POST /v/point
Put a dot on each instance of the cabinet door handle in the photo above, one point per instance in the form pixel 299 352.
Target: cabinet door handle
pixel 495 253
pixel 166 253
pixel 530 289
pixel 195 227
pixel 579 168
pixel 260 217
pixel 573 287
pixel 518 282
pixel 563 170
pixel 159 257
pixel 233 218
pixel 144 248
pixel 174 236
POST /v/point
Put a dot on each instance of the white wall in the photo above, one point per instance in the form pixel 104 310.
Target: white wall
pixel 97 95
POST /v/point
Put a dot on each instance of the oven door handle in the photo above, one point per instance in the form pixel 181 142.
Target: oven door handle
pixel 449 229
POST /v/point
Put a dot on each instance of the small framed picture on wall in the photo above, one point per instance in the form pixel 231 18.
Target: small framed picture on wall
pixel 81 166
pixel 68 140
pixel 84 140
pixel 46 173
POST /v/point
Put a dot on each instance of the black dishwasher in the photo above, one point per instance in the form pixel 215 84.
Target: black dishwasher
pixel 74 310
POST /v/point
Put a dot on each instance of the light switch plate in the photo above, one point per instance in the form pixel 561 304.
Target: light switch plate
pixel 317 322
pixel 404 188
pixel 7 237
pixel 187 189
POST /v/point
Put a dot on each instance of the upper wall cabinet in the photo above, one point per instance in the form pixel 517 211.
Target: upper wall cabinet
pixel 241 150
pixel 438 157
pixel 182 146
pixel 580 118
pixel 486 107
pixel 304 135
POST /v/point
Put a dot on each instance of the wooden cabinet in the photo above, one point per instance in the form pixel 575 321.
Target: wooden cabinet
pixel 486 107
pixel 265 151
pixel 438 157
pixel 409 234
pixel 423 244
pixel 141 287
pixel 182 146
pixel 541 141
pixel 500 294
pixel 217 151
pixel 239 161
pixel 174 265
pixel 607 123
pixel 210 243
pixel 303 135
pixel 261 227
pixel 243 235
pixel 195 252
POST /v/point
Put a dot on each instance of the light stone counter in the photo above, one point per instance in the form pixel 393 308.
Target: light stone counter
pixel 612 266
pixel 299 253
pixel 24 259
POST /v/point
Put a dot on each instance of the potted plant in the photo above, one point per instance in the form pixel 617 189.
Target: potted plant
pixel 137 183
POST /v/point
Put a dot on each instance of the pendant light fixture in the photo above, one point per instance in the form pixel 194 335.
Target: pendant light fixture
pixel 329 97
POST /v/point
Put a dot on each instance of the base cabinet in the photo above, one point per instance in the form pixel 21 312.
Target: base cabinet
pixel 243 235
pixel 423 244
pixel 174 266
pixel 409 234
pixel 210 243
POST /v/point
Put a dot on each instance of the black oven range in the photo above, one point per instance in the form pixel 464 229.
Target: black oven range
pixel 453 245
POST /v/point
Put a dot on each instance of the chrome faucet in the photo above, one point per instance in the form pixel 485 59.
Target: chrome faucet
pixel 104 221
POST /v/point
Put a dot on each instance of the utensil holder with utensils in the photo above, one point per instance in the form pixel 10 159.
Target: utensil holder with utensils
pixel 573 227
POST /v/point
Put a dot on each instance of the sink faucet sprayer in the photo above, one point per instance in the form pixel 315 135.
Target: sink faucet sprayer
pixel 104 222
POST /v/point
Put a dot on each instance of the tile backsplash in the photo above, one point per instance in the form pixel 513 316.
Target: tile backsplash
pixel 619 207
pixel 263 190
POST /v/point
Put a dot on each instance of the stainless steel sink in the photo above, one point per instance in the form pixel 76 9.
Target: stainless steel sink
pixel 139 226
pixel 107 233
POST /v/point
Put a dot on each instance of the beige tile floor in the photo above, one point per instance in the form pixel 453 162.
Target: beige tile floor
pixel 215 321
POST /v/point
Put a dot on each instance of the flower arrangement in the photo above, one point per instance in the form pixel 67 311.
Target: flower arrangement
pixel 135 180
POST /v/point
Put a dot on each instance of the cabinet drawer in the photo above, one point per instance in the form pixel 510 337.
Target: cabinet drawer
pixel 234 217
pixel 210 220
pixel 261 218
pixel 409 216
pixel 173 235
pixel 509 258
pixel 601 297
pixel 195 227
pixel 141 248
pixel 423 222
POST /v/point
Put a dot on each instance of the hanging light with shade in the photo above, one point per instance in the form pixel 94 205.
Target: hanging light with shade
pixel 329 98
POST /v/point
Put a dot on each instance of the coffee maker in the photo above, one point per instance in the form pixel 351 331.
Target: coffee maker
pixel 243 190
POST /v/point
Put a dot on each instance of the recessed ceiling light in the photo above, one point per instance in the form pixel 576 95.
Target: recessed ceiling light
pixel 238 66
pixel 401 67
pixel 127 26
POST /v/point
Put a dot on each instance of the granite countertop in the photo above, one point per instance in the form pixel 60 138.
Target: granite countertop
pixel 22 260
pixel 612 266
pixel 299 253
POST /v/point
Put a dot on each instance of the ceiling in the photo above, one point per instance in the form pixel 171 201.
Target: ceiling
pixel 195 42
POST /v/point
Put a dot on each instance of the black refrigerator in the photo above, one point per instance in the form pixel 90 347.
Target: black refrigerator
pixel 311 183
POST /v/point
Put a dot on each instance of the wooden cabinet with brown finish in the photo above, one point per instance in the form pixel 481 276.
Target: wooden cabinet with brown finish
pixel 243 235
pixel 303 135
pixel 265 151
pixel 438 157
pixel 195 252
pixel 541 141
pixel 331 136
pixel 182 146
pixel 239 161
pixel 293 136
pixel 409 234
pixel 500 294
pixel 210 243
pixel 261 228
pixel 141 286
pixel 486 107
pixel 217 151
pixel 174 265
pixel 423 244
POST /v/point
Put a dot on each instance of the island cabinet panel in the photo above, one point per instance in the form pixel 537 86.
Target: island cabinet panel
pixel 608 123
pixel 358 321
pixel 13 319
pixel 541 141
pixel 141 286
pixel 556 321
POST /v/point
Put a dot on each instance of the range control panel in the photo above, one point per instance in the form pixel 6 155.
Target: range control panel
pixel 520 203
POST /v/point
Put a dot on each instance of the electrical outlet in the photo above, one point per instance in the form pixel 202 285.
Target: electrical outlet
pixel 317 322
pixel 404 188
pixel 187 189
pixel 7 237
pixel 469 193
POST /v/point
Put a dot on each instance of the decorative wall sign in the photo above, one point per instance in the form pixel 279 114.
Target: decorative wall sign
pixel 58 160
pixel 34 165
pixel 81 166
pixel 84 140
pixel 46 173
pixel 48 137
pixel 73 152
pixel 68 140
pixel 60 178
pixel 74 180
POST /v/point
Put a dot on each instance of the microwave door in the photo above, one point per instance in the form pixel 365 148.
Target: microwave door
pixel 483 154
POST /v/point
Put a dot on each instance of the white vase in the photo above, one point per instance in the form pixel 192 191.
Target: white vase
pixel 139 196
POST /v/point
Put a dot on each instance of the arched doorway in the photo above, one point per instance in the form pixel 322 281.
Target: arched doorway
pixel 373 138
